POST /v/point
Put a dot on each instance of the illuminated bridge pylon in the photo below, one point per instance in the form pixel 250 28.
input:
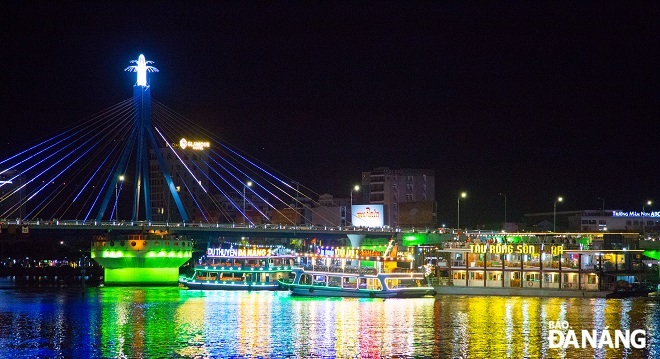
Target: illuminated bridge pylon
pixel 141 139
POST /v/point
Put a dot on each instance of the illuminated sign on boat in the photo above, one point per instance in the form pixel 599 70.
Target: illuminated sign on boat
pixel 347 252
pixel 367 215
pixel 498 248
pixel 238 252
pixel 195 145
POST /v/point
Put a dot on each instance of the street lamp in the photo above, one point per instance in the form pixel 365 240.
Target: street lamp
pixel 458 217
pixel 248 184
pixel 502 194
pixel 554 214
pixel 648 203
pixel 602 209
pixel 354 189
pixel 121 179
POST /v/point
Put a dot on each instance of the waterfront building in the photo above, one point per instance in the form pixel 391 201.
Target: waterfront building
pixel 598 220
pixel 407 195
pixel 331 211
pixel 188 178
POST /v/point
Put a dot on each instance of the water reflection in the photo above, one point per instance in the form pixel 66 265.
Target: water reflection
pixel 169 322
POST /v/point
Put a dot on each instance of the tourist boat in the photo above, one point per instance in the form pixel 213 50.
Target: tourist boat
pixel 539 264
pixel 238 267
pixel 349 272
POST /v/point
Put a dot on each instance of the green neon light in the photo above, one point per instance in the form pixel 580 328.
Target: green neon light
pixel 123 276
pixel 652 253
pixel 415 239
pixel 513 239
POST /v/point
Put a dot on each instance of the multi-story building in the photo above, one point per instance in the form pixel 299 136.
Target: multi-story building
pixel 395 187
pixel 189 172
pixel 331 211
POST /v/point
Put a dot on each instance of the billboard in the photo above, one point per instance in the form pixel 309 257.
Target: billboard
pixel 367 215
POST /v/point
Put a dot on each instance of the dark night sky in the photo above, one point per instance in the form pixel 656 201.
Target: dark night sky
pixel 533 99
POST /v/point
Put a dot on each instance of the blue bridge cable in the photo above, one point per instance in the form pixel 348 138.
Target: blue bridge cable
pixel 167 176
pixel 41 151
pixel 98 165
pixel 112 181
pixel 33 178
pixel 92 146
pixel 114 170
pixel 115 132
pixel 226 160
pixel 93 133
pixel 50 139
pixel 224 193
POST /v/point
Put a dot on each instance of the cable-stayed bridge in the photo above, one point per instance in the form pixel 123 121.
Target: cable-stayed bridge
pixel 139 163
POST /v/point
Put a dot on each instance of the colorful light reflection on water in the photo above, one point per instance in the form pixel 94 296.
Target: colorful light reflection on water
pixel 171 322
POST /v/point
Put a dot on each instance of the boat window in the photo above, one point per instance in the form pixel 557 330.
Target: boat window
pixel 350 282
pixel 334 281
pixel 319 280
pixel 201 275
pixel 402 283
pixel 232 277
pixel 306 279
pixel 374 284
pixel 362 283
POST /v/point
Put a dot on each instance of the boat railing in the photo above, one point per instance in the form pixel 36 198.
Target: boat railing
pixel 358 270
pixel 456 245
pixel 339 269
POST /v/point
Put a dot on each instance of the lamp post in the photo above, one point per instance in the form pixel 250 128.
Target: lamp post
pixel 247 184
pixel 502 194
pixel 121 179
pixel 554 214
pixel 602 208
pixel 354 189
pixel 648 203
pixel 458 217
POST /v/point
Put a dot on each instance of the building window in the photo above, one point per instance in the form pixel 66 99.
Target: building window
pixel 409 197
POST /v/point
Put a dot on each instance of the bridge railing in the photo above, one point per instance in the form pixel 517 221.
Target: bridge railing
pixel 165 224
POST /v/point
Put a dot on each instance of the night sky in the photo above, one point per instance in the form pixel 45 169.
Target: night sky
pixel 530 99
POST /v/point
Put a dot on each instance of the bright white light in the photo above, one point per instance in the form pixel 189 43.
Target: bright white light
pixel 141 68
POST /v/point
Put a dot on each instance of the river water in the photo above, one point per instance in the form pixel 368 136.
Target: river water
pixel 168 322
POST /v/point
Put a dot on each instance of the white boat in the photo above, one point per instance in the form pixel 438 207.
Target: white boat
pixel 349 272
pixel 241 268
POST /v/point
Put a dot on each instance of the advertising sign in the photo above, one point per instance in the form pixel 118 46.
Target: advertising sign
pixel 195 145
pixel 367 215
